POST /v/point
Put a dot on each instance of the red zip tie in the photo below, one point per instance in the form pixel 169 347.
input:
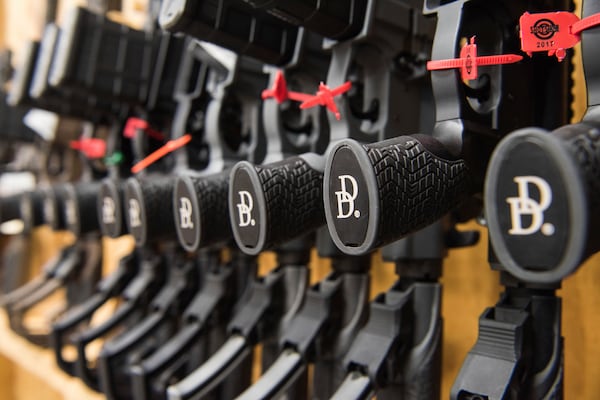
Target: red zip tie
pixel 468 62
pixel 498 60
pixel 168 147
pixel 586 23
pixel 134 124
pixel 325 97
pixel 92 148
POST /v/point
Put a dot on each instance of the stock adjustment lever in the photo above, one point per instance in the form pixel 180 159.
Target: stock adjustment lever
pixel 274 203
pixel 380 192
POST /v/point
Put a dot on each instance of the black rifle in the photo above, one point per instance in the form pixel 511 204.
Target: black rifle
pixel 550 172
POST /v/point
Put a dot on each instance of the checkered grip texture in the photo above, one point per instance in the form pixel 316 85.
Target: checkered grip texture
pixel 212 192
pixel 585 146
pixel 157 197
pixel 416 186
pixel 293 193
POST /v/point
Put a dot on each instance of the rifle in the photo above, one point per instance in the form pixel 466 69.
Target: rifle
pixel 527 317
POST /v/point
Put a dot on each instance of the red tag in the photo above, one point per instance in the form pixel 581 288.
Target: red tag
pixel 549 32
pixel 134 124
pixel 92 148
pixel 469 54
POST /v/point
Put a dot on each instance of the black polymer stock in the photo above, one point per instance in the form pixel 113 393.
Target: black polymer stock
pixel 143 272
pixel 279 218
pixel 72 57
pixel 470 118
pixel 219 83
pixel 154 232
pixel 231 102
pixel 271 302
pixel 258 294
pixel 145 199
pixel 390 176
pixel 75 203
pixel 266 303
pixel 77 82
pixel 520 337
pixel 384 61
pixel 78 267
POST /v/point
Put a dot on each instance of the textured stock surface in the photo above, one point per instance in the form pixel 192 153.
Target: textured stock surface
pixel 157 203
pixel 86 195
pixel 415 186
pixel 212 192
pixel 156 219
pixel 586 149
pixel 294 199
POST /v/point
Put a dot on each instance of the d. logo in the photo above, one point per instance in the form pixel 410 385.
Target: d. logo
pixel 245 207
pixel 134 213
pixel 108 210
pixel 524 205
pixel 70 213
pixel 185 214
pixel 345 199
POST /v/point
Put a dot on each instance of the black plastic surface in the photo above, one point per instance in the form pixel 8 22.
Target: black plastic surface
pixel 54 202
pixel 380 192
pixel 234 25
pixel 88 58
pixel 110 208
pixel 79 207
pixel 330 18
pixel 32 210
pixel 591 54
pixel 542 201
pixel 34 67
pixel 10 207
pixel 149 205
pixel 200 204
pixel 271 204
pixel 12 127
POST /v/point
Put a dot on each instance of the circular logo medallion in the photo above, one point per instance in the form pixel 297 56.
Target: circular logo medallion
pixel 187 212
pixel 536 207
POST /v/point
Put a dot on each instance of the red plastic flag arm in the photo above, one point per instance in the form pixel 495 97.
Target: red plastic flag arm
pixel 280 92
pixel 169 147
pixel 300 97
pixel 133 125
pixel 325 97
pixel 92 148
